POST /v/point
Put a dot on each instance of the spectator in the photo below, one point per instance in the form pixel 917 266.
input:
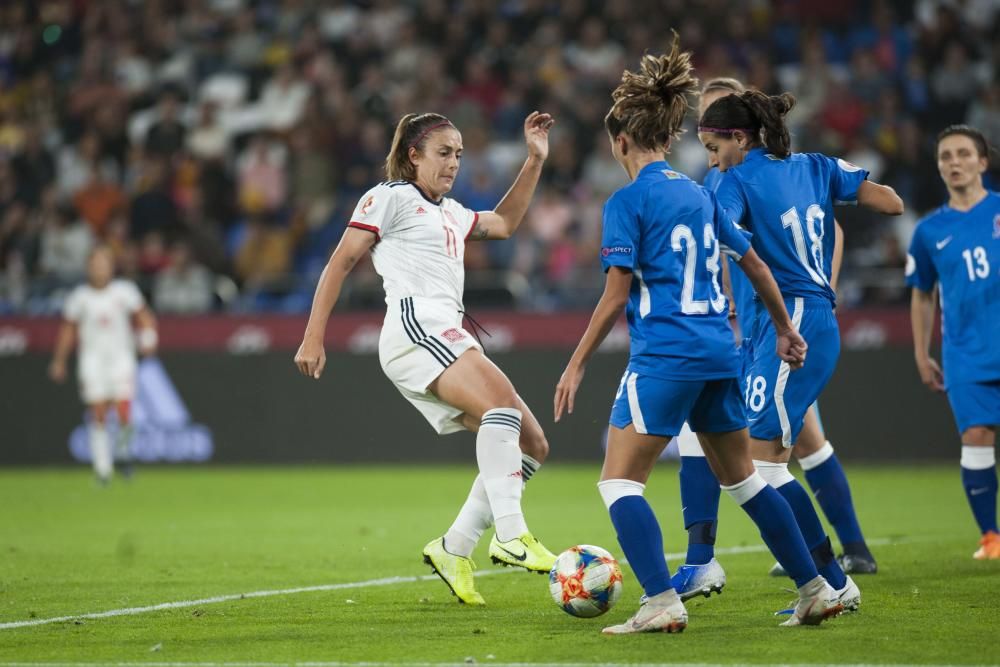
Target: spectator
pixel 184 286
pixel 166 135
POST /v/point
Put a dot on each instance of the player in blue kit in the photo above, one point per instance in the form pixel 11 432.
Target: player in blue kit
pixel 701 574
pixel 786 201
pixel 661 251
pixel 957 249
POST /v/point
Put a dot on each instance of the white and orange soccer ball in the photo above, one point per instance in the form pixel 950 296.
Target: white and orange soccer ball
pixel 586 581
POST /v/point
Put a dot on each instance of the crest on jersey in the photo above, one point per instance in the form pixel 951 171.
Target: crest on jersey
pixel 452 335
pixel 996 226
pixel 368 205
pixel 671 174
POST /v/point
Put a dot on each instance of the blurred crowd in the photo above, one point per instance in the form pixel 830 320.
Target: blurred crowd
pixel 219 146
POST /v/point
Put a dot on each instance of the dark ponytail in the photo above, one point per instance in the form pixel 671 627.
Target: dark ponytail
pixel 411 132
pixel 761 116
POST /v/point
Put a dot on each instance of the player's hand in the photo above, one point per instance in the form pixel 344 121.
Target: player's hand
pixel 566 390
pixel 311 359
pixel 930 374
pixel 536 134
pixel 792 348
pixel 57 371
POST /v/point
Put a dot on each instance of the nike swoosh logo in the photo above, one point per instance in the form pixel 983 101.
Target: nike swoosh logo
pixel 976 492
pixel 521 557
pixel 942 243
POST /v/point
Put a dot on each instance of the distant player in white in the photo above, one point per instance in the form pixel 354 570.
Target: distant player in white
pixel 102 315
pixel 417 240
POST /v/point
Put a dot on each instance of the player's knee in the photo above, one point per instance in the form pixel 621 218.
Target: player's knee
pixel 982 436
pixel 535 445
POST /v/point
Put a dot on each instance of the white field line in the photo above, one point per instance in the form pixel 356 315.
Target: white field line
pixel 370 583
pixel 435 664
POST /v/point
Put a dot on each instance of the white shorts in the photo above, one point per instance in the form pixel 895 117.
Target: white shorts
pixel 420 338
pixel 104 380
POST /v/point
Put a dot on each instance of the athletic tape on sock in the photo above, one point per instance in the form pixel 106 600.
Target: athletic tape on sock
pixel 775 474
pixel 817 458
pixel 747 489
pixel 978 458
pixel 613 490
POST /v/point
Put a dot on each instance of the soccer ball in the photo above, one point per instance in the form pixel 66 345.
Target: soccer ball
pixel 585 581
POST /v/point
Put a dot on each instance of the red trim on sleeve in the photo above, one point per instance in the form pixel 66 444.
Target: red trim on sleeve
pixel 367 228
pixel 475 221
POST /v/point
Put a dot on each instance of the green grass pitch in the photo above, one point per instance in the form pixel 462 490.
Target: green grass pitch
pixel 68 548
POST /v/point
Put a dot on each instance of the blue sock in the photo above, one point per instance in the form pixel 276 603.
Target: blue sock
pixel 777 526
pixel 640 538
pixel 700 501
pixel 981 490
pixel 813 533
pixel 832 492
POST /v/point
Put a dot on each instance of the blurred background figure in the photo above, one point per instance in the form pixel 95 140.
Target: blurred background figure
pixel 107 319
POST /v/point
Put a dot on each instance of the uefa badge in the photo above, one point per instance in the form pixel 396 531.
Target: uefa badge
pixel 996 226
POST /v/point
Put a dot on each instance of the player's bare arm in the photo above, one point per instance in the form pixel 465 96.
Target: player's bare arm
pixel 311 358
pixel 147 337
pixel 879 198
pixel 838 255
pixel 922 311
pixel 65 340
pixel 791 346
pixel 607 312
pixel 502 222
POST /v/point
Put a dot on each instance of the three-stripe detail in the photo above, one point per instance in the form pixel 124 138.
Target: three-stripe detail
pixel 417 335
pixel 509 420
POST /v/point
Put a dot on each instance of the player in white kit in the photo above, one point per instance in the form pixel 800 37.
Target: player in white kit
pixel 109 318
pixel 417 239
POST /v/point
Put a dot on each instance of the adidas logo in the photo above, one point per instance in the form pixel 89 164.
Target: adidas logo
pixel 421 210
pixel 516 473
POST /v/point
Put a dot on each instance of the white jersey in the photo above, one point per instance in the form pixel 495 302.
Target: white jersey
pixel 104 320
pixel 420 248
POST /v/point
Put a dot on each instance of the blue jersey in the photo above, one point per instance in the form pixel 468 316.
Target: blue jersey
pixel 743 292
pixel 960 250
pixel 787 204
pixel 667 230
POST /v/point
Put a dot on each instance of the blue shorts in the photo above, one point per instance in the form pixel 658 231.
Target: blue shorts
pixel 778 398
pixel 660 407
pixel 975 404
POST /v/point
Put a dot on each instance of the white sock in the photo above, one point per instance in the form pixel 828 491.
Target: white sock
pixel 100 451
pixel 122 452
pixel 499 458
pixel 613 490
pixel 775 474
pixel 472 521
pixel 978 458
pixel 817 458
pixel 744 491
pixel 529 467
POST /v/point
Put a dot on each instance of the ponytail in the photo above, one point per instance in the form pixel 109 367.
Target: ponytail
pixel 650 105
pixel 770 110
pixel 760 116
pixel 411 132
